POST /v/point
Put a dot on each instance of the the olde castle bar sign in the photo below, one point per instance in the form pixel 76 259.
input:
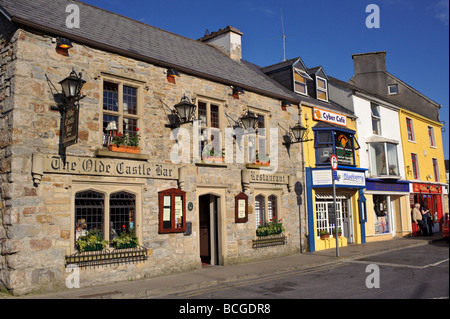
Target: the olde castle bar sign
pixel 54 164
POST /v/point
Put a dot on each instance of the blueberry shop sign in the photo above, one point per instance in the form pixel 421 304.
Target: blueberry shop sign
pixel 53 164
pixel 330 117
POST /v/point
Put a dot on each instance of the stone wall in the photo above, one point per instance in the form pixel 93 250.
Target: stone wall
pixel 8 43
pixel 37 219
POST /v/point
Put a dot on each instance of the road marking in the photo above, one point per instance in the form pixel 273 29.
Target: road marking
pixel 259 280
pixel 396 265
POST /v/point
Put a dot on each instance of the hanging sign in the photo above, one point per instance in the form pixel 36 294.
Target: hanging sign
pixel 69 126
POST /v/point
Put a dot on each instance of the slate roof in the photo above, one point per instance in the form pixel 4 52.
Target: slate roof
pixel 115 33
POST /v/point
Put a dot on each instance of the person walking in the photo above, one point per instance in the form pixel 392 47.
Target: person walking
pixel 428 220
pixel 418 219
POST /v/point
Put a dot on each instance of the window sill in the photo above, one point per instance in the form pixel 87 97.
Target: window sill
pixel 212 164
pixel 104 152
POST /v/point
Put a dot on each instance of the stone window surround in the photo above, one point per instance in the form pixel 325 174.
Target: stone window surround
pixel 107 188
pixel 139 85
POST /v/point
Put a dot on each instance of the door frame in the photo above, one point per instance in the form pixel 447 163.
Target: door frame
pixel 217 223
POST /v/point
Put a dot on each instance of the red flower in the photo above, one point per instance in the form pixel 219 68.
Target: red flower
pixel 120 134
pixel 137 129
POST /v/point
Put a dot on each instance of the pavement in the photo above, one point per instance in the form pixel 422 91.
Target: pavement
pixel 214 275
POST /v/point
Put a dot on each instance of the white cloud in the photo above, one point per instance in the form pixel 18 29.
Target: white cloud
pixel 442 11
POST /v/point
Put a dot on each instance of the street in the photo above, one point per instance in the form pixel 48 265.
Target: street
pixel 413 273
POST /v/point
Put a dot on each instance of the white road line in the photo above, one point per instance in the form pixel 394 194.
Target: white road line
pixel 396 265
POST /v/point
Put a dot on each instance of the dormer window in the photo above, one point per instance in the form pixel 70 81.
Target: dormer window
pixel 322 88
pixel 300 81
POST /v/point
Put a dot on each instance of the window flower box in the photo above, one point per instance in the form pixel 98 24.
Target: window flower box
pixel 269 241
pixel 124 149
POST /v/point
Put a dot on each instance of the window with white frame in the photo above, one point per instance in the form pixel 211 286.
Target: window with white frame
pixel 383 159
pixel 322 88
pixel 120 104
pixel 300 85
pixel 376 119
pixel 325 218
pixel 392 89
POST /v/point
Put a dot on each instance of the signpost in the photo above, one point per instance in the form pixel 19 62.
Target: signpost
pixel 334 165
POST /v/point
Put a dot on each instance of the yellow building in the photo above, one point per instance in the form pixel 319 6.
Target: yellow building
pixel 331 130
pixel 424 161
pixel 420 127
pixel 351 181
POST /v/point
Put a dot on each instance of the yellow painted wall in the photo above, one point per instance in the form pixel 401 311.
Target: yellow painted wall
pixel 310 161
pixel 422 147
pixel 308 121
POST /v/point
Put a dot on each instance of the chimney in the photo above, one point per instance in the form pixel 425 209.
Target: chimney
pixel 369 62
pixel 227 40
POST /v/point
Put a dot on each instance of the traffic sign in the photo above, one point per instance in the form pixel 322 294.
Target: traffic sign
pixel 334 162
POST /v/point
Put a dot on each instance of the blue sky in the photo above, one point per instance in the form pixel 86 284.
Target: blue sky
pixel 414 33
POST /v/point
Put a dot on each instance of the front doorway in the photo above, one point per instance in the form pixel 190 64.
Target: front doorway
pixel 209 229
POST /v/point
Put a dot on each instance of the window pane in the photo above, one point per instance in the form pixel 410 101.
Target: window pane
pixel 321 83
pixel 415 166
pixel 375 111
pixel 431 135
pixel 167 212
pixel 376 126
pixel 377 159
pixel 259 210
pixel 89 212
pixel 215 116
pixel 321 95
pixel 392 159
pixel 129 100
pixel 393 89
pixel 202 113
pixel 300 87
pixel 122 214
pixel 110 96
pixel 324 154
pixel 325 136
pixel 107 136
pixel 272 208
pixel 129 126
pixel 436 170
pixel 409 126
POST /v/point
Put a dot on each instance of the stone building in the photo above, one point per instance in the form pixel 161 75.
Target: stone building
pixel 185 208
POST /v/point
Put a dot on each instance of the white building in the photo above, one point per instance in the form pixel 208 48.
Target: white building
pixel 378 135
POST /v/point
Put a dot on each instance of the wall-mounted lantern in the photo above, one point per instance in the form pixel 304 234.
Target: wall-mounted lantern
pixel 63 45
pixel 184 112
pixel 248 120
pixel 71 87
pixel 172 74
pixel 237 91
pixel 297 134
